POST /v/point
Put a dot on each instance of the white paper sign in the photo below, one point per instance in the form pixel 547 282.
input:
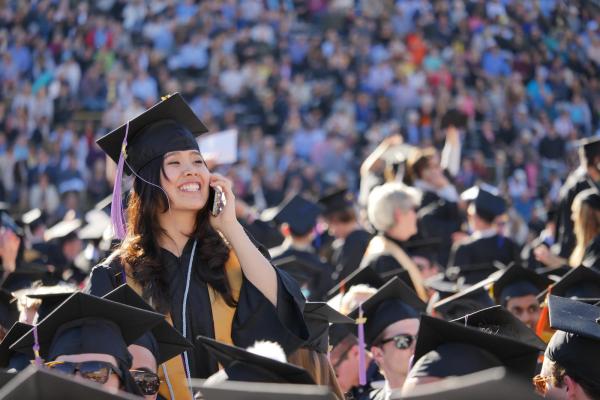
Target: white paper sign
pixel 220 147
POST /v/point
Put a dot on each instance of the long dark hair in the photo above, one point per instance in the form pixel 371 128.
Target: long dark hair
pixel 140 249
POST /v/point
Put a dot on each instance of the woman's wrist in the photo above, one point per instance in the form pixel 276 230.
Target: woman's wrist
pixel 232 231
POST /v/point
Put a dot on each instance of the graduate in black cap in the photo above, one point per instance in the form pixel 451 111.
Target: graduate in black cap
pixel 517 290
pixel 350 240
pixel 463 302
pixel 313 279
pixel 87 335
pixel 391 324
pixel 183 248
pixel 473 257
pixel 585 177
pixel 297 218
pixel 570 369
pixel 10 359
pixel 64 245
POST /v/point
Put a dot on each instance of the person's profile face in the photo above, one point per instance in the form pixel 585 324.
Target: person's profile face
pixel 185 179
pixel 526 308
pixel 143 360
pixel 113 381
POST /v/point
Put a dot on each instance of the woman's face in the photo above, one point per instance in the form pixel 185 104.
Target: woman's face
pixel 185 179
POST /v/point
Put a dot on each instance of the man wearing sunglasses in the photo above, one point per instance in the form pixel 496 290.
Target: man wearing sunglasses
pixel 391 324
pixel 88 336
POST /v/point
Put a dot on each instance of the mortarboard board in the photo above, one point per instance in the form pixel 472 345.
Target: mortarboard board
pixel 169 125
pixel 242 365
pixel 97 222
pixel 15 332
pixel 265 233
pixel 441 285
pixel 36 383
pixel 469 300
pixel 459 350
pixel 366 276
pixel 471 193
pixel 575 345
pixel 500 321
pixel 318 316
pixel 488 205
pixel 580 283
pixel 130 321
pixel 49 301
pixel 517 281
pixel 302 270
pixel 338 200
pixel 338 332
pixel 590 147
pixel 299 213
pixel 170 342
pixel 62 230
pixel 455 118
pixel 489 384
pixel 264 391
pixel 32 216
pixel 393 302
pixel 9 312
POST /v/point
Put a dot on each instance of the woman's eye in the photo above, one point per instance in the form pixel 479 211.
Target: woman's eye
pixel 173 163
pixel 199 161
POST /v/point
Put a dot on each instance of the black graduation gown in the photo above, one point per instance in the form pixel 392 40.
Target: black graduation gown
pixel 386 265
pixel 255 317
pixel 439 218
pixel 474 257
pixel 348 253
pixel 591 256
pixel 319 283
pixel 363 392
pixel 577 182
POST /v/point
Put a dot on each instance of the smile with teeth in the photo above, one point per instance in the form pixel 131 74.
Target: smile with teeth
pixel 190 187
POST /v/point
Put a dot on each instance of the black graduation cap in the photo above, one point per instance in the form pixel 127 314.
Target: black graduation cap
pixel 499 321
pixel 299 213
pixel 488 205
pixel 132 323
pixel 575 345
pixel 36 383
pixel 49 302
pixel 170 125
pixel 318 316
pixel 490 384
pixel 338 332
pixel 393 302
pixel 590 146
pixel 517 281
pixel 338 200
pixel 170 342
pixel 454 117
pixel 591 197
pixel 302 270
pixel 242 365
pixel 9 312
pixel 264 391
pixel 441 285
pixel 580 283
pixel 265 232
pixel 15 332
pixel 32 217
pixel 366 276
pixel 463 349
pixel 467 301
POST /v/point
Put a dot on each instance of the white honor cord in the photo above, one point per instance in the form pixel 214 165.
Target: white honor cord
pixel 171 393
pixel 183 312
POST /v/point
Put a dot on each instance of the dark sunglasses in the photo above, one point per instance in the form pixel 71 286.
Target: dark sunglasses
pixel 541 384
pixel 147 381
pixel 402 341
pixel 96 371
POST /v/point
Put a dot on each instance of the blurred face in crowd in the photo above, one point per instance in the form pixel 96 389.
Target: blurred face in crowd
pixel 143 360
pixel 393 361
pixel 185 178
pixel 113 381
pixel 434 174
pixel 526 308
pixel 406 224
pixel 344 359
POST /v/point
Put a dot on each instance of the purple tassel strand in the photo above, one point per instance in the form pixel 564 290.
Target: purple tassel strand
pixel 362 368
pixel 116 209
pixel 36 347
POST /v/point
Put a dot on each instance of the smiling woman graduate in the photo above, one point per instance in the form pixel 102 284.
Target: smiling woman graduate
pixel 202 271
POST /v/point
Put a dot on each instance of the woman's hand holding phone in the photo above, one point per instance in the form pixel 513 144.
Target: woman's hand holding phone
pixel 222 207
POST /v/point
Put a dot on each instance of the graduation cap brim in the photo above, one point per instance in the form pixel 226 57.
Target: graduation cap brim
pixel 264 391
pixel 366 276
pixel 12 311
pixel 504 323
pixel 15 332
pixel 170 341
pixel 515 274
pixel 35 383
pixel 227 355
pixel 338 200
pixel 571 278
pixel 519 357
pixel 31 216
pixel 490 384
pixel 49 301
pixel 322 311
pixel 475 294
pixel 300 269
pixel 299 213
pixel 133 322
pixel 173 107
pixel 574 317
pixel 62 229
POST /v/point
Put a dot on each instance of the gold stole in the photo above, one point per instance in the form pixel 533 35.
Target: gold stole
pixel 222 321
pixel 380 244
